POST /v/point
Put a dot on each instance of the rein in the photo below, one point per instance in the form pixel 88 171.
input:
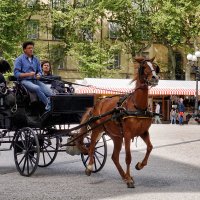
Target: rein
pixel 78 84
pixel 124 99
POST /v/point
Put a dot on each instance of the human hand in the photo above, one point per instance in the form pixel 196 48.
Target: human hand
pixel 37 76
pixel 31 73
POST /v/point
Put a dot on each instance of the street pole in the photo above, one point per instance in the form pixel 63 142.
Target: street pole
pixel 197 96
pixel 194 59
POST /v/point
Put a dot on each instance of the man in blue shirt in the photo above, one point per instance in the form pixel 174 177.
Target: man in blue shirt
pixel 27 69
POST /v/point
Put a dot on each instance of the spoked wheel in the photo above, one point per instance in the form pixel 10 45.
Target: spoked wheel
pixel 100 153
pixel 48 148
pixel 26 151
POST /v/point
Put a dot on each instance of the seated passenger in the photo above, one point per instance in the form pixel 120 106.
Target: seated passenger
pixel 27 69
pixel 57 86
pixel 46 68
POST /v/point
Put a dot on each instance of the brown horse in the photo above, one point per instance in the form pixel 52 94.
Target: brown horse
pixel 128 127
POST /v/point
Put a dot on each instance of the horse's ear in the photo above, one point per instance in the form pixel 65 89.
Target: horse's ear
pixel 152 59
pixel 139 59
pixel 157 68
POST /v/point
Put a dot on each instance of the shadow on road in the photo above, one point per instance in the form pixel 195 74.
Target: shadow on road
pixel 162 175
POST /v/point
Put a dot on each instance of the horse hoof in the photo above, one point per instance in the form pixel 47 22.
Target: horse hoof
pixel 137 166
pixel 88 172
pixel 130 185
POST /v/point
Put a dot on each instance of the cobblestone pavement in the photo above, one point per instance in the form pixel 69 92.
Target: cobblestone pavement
pixel 173 172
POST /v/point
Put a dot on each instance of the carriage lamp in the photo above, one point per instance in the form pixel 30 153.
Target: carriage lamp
pixel 194 63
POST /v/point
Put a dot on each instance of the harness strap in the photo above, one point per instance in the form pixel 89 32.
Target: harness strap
pixel 136 117
pixel 122 100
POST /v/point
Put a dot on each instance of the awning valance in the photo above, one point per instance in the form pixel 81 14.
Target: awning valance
pixel 123 86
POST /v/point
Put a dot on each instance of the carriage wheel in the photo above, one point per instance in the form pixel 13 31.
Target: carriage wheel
pixel 48 148
pixel 100 153
pixel 26 151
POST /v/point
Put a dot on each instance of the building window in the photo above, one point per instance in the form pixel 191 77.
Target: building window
pixel 31 3
pixel 57 57
pixel 113 30
pixel 83 3
pixel 116 61
pixel 56 3
pixel 87 35
pixel 58 32
pixel 145 34
pixel 60 65
pixel 33 29
pixel 60 4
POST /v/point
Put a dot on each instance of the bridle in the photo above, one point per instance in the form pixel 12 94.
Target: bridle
pixel 145 83
pixel 143 76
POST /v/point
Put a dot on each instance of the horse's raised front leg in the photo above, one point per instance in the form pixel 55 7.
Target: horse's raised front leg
pixel 146 139
pixel 129 180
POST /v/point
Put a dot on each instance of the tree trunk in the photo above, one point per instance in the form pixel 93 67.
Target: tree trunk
pixel 171 63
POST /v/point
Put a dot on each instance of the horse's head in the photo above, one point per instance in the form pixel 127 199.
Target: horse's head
pixel 148 71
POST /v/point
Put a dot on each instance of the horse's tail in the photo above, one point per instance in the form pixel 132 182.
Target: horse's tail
pixel 83 131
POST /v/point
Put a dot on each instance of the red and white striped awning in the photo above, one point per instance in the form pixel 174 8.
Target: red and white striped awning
pixel 123 86
pixel 101 90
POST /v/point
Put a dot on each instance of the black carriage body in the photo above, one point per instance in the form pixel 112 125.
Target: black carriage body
pixel 34 136
pixel 5 119
pixel 71 103
pixel 67 109
pixel 5 113
pixel 32 132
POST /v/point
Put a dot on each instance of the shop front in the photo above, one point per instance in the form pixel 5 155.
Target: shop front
pixel 167 93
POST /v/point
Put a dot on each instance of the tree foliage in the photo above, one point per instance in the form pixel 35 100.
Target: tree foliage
pixel 134 23
pixel 80 26
pixel 175 24
pixel 11 26
pixel 14 16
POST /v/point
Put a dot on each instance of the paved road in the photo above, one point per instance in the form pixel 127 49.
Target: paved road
pixel 173 172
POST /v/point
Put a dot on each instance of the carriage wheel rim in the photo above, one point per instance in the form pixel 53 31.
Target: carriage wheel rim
pixel 98 165
pixel 45 154
pixel 26 151
pixel 48 149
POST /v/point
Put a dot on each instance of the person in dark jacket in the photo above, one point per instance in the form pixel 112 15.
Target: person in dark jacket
pixel 6 96
pixel 46 68
pixel 4 67
pixel 181 110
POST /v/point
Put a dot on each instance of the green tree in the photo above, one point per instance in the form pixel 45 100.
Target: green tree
pixel 14 16
pixel 134 26
pixel 175 24
pixel 77 25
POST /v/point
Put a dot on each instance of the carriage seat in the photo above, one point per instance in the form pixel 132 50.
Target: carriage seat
pixel 32 96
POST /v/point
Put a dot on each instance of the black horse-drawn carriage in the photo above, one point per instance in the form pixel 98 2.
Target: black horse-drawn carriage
pixel 37 136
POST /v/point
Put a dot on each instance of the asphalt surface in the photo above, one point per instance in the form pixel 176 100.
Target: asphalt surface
pixel 173 172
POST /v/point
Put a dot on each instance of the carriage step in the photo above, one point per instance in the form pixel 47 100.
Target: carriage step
pixel 3 149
